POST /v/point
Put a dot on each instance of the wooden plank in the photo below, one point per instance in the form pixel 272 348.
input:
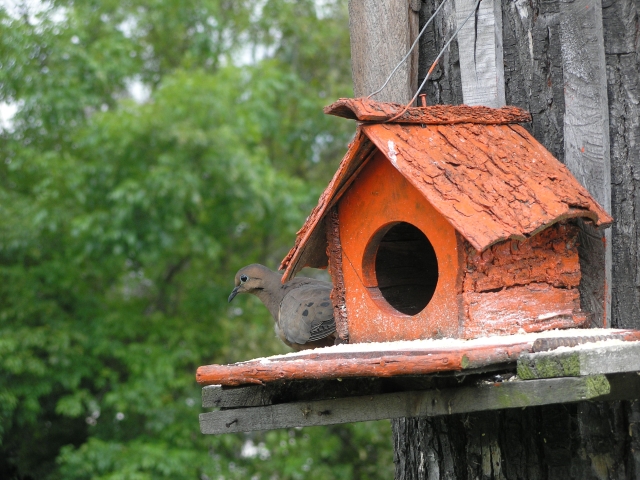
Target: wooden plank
pixel 214 396
pixel 493 396
pixel 369 364
pixel 295 391
pixel 586 140
pixel 584 360
pixel 381 34
pixel 624 386
pixel 480 51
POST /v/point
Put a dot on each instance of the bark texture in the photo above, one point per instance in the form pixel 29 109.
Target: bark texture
pixel 445 84
pixel 585 440
pixel 550 442
pixel 550 257
pixel 513 284
pixel 621 27
pixel 338 294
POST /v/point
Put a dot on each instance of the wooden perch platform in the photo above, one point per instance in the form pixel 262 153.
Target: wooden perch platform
pixel 390 359
pixel 529 370
pixel 408 404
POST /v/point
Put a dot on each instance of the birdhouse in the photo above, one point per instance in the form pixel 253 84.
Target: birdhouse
pixel 442 225
pixel 447 221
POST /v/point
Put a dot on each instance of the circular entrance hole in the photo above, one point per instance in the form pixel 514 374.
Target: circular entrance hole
pixel 405 267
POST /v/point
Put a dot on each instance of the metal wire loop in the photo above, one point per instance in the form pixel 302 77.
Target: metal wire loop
pixel 433 66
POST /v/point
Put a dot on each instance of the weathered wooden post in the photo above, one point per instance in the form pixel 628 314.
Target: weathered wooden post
pixel 381 34
pixel 586 139
pixel 561 59
pixel 480 52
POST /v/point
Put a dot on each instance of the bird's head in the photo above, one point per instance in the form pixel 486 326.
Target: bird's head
pixel 251 279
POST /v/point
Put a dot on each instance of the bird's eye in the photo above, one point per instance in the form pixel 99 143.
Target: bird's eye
pixel 243 278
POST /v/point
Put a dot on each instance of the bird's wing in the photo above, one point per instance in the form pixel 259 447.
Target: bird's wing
pixel 306 313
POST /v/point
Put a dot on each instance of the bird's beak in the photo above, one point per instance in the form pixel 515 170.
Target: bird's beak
pixel 234 292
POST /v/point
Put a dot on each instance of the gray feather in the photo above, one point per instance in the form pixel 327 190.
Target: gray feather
pixel 306 313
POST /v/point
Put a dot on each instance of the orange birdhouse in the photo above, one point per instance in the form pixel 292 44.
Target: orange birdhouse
pixel 447 221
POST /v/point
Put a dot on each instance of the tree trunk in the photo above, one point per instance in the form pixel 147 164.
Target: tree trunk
pixel 620 19
pixel 584 440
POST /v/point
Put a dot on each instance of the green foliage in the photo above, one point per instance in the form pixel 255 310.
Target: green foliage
pixel 122 224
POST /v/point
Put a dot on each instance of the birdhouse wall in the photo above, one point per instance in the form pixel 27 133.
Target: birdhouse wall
pixel 530 285
pixel 382 214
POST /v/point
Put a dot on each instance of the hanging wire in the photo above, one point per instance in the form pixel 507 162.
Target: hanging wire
pixel 415 42
pixel 433 66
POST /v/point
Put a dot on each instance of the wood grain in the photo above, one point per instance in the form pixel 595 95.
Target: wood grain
pixel 383 30
pixel 214 396
pixel 444 86
pixel 533 68
pixel 480 52
pixel 586 139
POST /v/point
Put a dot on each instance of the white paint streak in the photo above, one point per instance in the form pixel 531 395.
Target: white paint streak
pixel 522 7
pixel 444 343
pixel 480 53
pixel 547 316
pixel 392 152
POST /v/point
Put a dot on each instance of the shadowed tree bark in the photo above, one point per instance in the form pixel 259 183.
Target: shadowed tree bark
pixel 585 440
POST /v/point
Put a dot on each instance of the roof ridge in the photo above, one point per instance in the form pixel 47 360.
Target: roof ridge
pixel 366 110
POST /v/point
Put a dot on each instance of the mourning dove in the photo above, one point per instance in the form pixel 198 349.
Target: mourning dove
pixel 301 308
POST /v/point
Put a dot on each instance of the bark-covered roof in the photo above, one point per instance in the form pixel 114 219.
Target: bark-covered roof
pixel 488 177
